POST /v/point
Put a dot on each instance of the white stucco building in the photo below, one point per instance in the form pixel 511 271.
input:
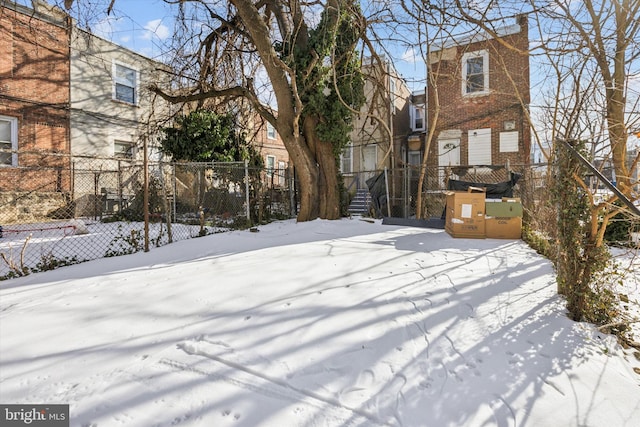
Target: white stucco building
pixel 112 111
pixel 112 114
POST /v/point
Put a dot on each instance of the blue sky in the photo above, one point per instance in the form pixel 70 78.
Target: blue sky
pixel 140 25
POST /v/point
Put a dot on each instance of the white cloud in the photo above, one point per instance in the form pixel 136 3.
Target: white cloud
pixel 105 28
pixel 156 28
pixel 410 56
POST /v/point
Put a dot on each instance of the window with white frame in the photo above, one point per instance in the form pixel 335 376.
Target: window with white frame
pixel 346 162
pixel 417 117
pixel 123 150
pixel 8 141
pixel 271 165
pixel 125 83
pixel 475 73
pixel 271 131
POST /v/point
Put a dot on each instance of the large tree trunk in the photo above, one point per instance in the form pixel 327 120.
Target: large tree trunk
pixel 329 188
pixel 618 136
pixel 307 173
pixel 328 196
pixel 616 101
pixel 308 180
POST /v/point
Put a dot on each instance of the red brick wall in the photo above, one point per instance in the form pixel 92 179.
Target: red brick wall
pixel 34 89
pixel 509 90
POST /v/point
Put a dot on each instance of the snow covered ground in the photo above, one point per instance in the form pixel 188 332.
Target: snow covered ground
pixel 326 323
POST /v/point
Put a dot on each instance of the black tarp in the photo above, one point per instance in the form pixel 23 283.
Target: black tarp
pixel 494 191
pixel 413 222
pixel 378 191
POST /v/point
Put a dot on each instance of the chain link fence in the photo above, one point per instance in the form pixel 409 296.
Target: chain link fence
pixel 533 188
pixel 402 185
pixel 59 210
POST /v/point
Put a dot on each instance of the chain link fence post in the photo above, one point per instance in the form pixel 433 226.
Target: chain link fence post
pixel 246 189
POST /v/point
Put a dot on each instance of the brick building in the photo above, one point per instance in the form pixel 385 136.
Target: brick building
pixel 275 155
pixel 264 138
pixel 482 85
pixel 34 100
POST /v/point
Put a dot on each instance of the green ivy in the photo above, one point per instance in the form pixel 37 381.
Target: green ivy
pixel 336 66
pixel 125 243
pixel 205 136
pixel 578 257
pixel 47 262
pixel 620 227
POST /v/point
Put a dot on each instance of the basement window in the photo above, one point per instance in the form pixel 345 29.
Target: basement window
pixel 123 150
pixel 8 141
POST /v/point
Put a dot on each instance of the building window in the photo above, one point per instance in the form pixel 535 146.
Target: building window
pixel 509 142
pixel 8 141
pixel 271 165
pixel 480 147
pixel 271 131
pixel 475 73
pixel 417 117
pixel 282 168
pixel 414 158
pixel 125 84
pixel 346 163
pixel 123 150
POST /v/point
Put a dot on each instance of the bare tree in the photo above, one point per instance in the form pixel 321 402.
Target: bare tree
pixel 587 58
pixel 594 55
pixel 432 24
pixel 592 51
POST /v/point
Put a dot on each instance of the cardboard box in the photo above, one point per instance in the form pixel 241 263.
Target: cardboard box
pixel 503 228
pixel 465 214
pixel 503 209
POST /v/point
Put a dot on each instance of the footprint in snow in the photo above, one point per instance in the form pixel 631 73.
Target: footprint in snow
pixel 179 420
pixel 227 412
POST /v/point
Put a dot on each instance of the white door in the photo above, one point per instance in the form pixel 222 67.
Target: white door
pixel 369 162
pixel 448 155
